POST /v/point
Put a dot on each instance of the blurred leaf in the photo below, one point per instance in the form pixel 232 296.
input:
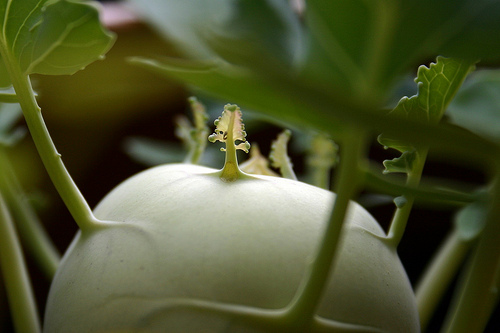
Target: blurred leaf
pixel 152 152
pixel 4 76
pixel 377 41
pixel 296 103
pixel 252 91
pixel 470 220
pixel 364 45
pixel 357 46
pixel 194 136
pixel 184 21
pixel 477 105
pixel 10 114
pixel 279 155
pixel 191 24
pixel 400 201
pixel 8 95
pixel 51 37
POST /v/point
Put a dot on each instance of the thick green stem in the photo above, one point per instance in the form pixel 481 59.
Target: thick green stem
pixel 477 293
pixel 17 282
pixel 69 192
pixel 438 276
pixel 400 219
pixel 303 308
pixel 29 226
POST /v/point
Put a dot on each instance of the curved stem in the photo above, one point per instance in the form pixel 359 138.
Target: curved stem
pixel 400 219
pixel 69 192
pixel 437 277
pixel 477 293
pixel 16 278
pixel 430 193
pixel 302 309
pixel 30 227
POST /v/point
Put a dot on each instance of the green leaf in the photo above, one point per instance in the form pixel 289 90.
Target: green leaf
pixel 437 85
pixel 10 114
pixel 477 105
pixel 400 201
pixel 8 95
pixel 251 90
pixel 404 163
pixel 269 25
pixel 151 152
pixel 358 47
pixel 470 220
pixel 297 104
pixel 362 46
pixel 51 37
pixel 4 76
pixel 279 155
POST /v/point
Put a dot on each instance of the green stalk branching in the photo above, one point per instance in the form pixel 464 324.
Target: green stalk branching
pixel 477 292
pixel 16 278
pixel 69 192
pixel 400 219
pixel 29 226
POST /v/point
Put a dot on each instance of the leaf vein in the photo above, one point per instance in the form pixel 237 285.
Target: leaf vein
pixel 58 42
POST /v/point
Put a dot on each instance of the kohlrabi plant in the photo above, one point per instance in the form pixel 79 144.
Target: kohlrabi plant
pixel 249 247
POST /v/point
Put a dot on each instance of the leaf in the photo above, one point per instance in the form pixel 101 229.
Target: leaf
pixel 257 164
pixel 437 85
pixel 470 220
pixel 356 46
pixel 477 104
pixel 279 152
pixel 362 46
pixel 403 164
pixel 4 76
pixel 230 128
pixel 279 155
pixel 51 37
pixel 151 152
pixel 10 114
pixel 375 42
pixel 8 95
pixel 290 102
pixel 192 24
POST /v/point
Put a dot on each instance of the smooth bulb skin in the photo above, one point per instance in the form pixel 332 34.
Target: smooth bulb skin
pixel 185 234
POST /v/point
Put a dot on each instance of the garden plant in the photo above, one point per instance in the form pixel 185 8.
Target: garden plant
pixel 253 246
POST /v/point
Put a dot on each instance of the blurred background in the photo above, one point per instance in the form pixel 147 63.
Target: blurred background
pixel 94 114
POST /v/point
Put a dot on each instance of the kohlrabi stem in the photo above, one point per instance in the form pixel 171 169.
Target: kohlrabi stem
pixel 400 219
pixel 438 276
pixel 478 290
pixel 16 277
pixel 304 306
pixel 29 226
pixel 69 192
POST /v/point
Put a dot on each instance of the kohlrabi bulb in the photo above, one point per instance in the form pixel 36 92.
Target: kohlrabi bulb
pixel 194 249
